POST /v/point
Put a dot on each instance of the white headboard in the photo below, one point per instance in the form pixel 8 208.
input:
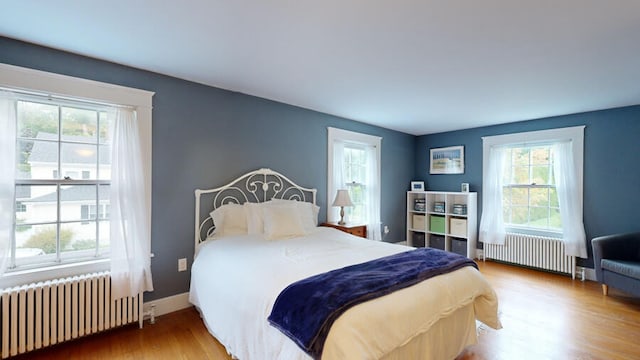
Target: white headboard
pixel 255 186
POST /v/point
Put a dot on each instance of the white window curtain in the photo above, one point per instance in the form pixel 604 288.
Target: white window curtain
pixel 373 187
pixel 569 199
pixel 492 229
pixel 338 139
pixel 337 182
pixel 130 238
pixel 373 199
pixel 7 175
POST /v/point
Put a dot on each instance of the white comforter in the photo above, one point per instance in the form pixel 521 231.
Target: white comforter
pixel 235 281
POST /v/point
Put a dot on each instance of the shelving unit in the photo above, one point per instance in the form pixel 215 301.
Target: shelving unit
pixel 440 223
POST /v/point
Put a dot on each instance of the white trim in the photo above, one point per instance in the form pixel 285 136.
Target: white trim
pixel 575 134
pixel 41 82
pixel 31 80
pixel 29 276
pixel 353 137
pixel 168 304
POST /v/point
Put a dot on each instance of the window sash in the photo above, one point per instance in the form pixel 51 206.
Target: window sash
pixel 529 214
pixel 29 259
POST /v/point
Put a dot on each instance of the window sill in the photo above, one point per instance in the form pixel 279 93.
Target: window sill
pixel 24 277
pixel 533 232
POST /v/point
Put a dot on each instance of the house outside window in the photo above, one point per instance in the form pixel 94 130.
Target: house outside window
pixel 60 137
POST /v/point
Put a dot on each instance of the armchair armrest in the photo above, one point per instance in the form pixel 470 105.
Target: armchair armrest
pixel 615 247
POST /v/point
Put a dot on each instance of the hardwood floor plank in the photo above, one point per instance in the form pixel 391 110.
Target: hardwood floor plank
pixel 545 316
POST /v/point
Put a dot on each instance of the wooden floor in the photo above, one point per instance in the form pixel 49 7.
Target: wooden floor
pixel 545 316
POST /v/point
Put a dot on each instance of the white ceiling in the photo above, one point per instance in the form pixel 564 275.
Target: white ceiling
pixel 416 66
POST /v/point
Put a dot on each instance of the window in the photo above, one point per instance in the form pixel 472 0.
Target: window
pixel 532 183
pixel 56 219
pixel 530 199
pixel 354 164
pixel 354 170
pixel 60 186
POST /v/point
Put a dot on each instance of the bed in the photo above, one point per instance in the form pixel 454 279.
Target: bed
pixel 248 251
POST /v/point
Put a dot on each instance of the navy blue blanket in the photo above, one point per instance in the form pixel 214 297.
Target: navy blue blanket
pixel 305 310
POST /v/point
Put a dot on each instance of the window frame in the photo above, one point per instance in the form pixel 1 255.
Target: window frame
pixel 351 185
pixel 61 184
pixel 531 186
pixel 348 137
pixel 23 80
pixel 574 134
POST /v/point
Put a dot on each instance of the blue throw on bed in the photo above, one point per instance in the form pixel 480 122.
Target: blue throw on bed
pixel 306 309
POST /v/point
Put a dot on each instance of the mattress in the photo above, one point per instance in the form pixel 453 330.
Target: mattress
pixel 236 279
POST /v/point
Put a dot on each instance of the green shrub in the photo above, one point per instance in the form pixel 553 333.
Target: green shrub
pixel 45 239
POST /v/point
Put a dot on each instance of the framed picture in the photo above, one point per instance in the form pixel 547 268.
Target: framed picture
pixel 447 160
pixel 465 187
pixel 417 186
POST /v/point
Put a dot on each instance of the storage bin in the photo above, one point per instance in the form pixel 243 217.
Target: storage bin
pixel 436 242
pixel 458 227
pixel 459 246
pixel 438 207
pixel 436 224
pixel 418 222
pixel 460 209
pixel 417 239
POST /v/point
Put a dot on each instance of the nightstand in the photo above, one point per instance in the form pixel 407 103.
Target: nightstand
pixel 353 229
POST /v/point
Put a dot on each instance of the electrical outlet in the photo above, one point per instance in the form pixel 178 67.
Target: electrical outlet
pixel 182 264
pixel 386 229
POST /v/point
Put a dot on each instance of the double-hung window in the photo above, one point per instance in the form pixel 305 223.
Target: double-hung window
pixel 532 184
pixel 71 151
pixel 354 165
pixel 62 178
pixel 355 181
pixel 530 199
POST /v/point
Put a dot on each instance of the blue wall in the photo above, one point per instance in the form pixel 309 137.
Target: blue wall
pixel 611 165
pixel 205 137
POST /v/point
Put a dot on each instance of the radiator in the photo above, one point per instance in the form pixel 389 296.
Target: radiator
pixel 38 315
pixel 534 251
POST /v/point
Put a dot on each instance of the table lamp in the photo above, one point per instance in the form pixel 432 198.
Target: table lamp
pixel 342 200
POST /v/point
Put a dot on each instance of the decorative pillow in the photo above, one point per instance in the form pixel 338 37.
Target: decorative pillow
pixel 229 219
pixel 308 212
pixel 282 222
pixel 255 218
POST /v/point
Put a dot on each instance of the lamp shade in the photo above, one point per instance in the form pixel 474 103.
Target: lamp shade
pixel 342 198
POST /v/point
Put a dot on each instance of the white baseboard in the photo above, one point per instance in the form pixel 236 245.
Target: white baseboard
pixel 168 304
pixel 589 274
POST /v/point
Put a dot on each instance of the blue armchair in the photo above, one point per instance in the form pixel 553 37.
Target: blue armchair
pixel 617 262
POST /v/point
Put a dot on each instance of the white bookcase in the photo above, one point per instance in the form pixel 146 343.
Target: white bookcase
pixel 441 223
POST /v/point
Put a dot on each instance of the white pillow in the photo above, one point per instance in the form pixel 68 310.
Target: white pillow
pixel 255 218
pixel 308 212
pixel 282 222
pixel 229 219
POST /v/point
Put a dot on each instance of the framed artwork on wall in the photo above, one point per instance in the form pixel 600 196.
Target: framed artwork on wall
pixel 447 160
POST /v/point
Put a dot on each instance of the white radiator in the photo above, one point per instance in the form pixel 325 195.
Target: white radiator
pixel 43 314
pixel 534 251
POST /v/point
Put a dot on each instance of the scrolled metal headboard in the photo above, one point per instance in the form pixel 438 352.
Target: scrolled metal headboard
pixel 256 186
